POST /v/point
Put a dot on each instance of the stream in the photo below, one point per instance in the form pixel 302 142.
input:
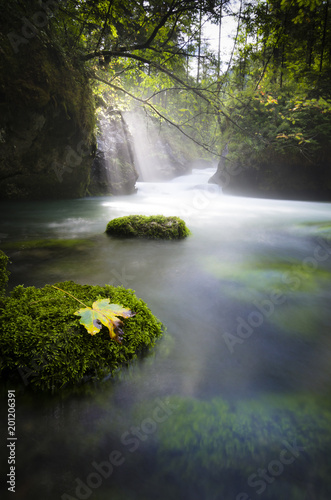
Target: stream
pixel 234 401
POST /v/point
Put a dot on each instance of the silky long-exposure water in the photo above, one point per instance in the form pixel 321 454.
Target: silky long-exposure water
pixel 234 401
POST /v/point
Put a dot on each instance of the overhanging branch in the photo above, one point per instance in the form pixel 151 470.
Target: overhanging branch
pixel 146 102
pixel 198 92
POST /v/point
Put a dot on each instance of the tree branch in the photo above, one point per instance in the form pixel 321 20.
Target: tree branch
pixel 147 103
pixel 198 92
pixel 104 24
pixel 157 28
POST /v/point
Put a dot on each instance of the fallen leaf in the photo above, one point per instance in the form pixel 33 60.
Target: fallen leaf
pixel 104 313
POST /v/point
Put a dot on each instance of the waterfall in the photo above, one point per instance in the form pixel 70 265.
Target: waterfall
pixel 134 146
pixel 113 170
pixel 156 159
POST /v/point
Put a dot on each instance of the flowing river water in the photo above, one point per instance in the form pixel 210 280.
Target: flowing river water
pixel 234 401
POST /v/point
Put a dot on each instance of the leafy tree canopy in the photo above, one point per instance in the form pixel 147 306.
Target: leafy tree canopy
pixel 271 91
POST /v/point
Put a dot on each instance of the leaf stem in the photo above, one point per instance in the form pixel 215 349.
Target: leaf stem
pixel 69 294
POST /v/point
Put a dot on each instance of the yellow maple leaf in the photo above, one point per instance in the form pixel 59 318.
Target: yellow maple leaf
pixel 104 313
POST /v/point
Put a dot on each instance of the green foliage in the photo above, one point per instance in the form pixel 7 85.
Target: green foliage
pixel 277 93
pixel 139 54
pixel 4 273
pixel 280 124
pixel 274 100
pixel 43 343
pixel 272 103
pixel 152 227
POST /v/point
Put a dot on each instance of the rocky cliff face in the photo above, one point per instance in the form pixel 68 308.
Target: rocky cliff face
pixel 277 176
pixel 46 117
pixel 113 169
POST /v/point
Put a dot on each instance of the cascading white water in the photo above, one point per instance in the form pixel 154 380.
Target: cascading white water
pixel 158 152
pixel 150 158
pixel 110 136
pixel 183 196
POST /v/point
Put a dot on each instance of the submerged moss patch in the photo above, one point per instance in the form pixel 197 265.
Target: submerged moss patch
pixel 44 345
pixel 294 289
pixel 322 229
pixel 152 227
pixel 229 441
pixel 52 243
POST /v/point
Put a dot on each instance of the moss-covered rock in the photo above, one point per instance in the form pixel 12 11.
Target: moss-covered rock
pixel 46 113
pixel 277 177
pixel 280 150
pixel 44 345
pixel 152 227
pixel 4 273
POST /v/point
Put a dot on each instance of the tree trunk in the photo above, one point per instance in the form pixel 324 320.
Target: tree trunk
pixel 219 45
pixel 199 47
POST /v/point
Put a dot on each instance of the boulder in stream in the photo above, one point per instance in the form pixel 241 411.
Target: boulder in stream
pixel 151 227
pixel 44 346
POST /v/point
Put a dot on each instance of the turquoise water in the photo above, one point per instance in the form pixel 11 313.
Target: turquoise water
pixel 234 401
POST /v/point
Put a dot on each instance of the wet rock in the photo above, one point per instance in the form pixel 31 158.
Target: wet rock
pixel 153 227
pixel 113 170
pixel 46 119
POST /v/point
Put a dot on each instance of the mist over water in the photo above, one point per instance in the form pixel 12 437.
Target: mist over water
pixel 245 362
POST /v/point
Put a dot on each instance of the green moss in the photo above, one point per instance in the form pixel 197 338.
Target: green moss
pixel 152 227
pixel 47 243
pixel 308 320
pixel 44 345
pixel 295 289
pixel 47 114
pixel 4 273
pixel 226 441
pixel 264 275
pixel 322 229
